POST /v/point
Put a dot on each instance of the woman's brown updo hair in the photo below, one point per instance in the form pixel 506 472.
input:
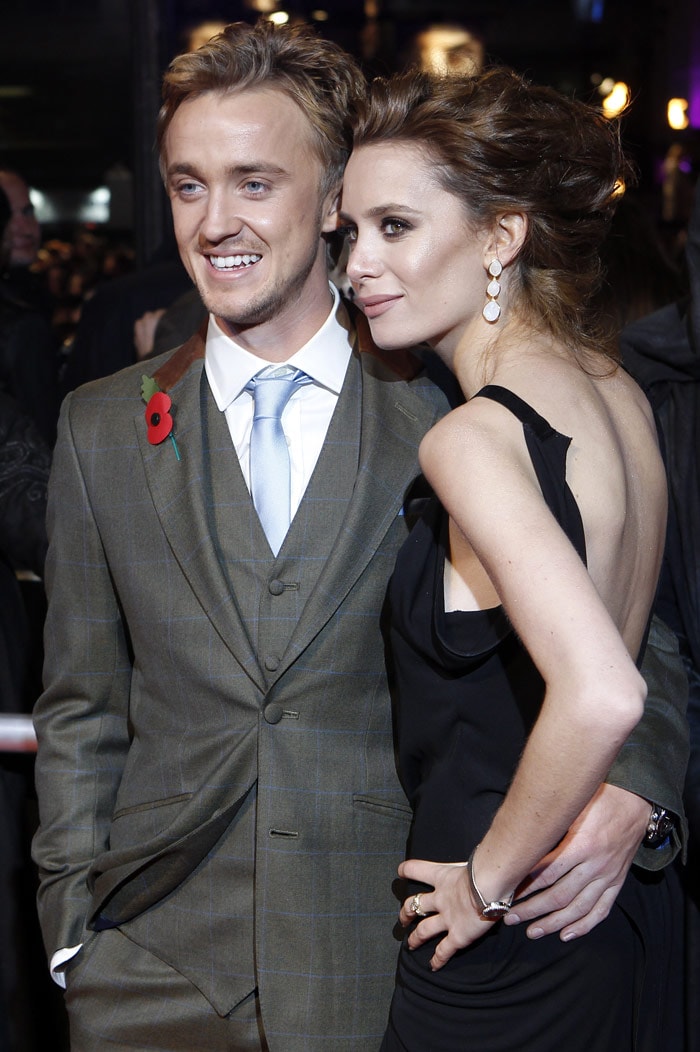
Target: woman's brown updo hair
pixel 501 144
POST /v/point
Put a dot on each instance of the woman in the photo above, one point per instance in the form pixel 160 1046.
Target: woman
pixel 475 209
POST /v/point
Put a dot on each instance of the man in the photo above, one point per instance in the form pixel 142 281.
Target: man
pixel 221 818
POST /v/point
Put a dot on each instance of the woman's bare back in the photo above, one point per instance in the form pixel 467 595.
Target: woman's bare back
pixel 616 475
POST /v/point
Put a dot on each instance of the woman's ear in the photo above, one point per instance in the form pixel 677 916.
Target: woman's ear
pixel 507 238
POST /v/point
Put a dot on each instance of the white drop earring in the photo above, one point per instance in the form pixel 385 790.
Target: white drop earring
pixel 492 310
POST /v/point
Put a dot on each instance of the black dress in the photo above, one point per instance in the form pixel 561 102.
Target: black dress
pixel 468 695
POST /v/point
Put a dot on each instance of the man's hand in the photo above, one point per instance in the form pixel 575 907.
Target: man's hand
pixel 145 332
pixel 578 882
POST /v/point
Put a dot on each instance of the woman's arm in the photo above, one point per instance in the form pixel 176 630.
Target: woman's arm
pixel 594 695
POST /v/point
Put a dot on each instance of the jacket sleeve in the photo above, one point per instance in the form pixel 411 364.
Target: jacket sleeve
pixel 81 718
pixel 653 760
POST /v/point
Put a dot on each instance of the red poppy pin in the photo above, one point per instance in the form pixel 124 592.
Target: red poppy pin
pixel 158 418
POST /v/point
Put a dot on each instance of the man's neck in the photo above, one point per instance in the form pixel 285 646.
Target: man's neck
pixel 288 331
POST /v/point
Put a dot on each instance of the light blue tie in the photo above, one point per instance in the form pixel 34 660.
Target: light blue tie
pixel 269 456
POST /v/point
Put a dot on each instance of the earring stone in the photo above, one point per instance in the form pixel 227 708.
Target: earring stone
pixel 492 310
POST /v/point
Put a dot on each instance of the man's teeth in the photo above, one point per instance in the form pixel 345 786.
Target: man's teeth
pixel 228 262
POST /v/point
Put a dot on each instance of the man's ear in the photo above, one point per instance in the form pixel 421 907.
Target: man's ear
pixel 508 238
pixel 330 216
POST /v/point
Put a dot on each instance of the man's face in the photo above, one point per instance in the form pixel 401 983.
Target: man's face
pixel 244 183
pixel 24 230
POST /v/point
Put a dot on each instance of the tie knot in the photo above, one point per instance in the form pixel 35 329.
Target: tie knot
pixel 272 388
pixel 277 372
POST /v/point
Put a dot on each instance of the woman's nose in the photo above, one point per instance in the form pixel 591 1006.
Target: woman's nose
pixel 362 262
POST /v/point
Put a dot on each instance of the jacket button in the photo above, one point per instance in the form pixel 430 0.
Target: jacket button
pixel 276 587
pixel 272 663
pixel 273 712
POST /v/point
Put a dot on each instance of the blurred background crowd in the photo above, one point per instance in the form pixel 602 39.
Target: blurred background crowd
pixel 90 282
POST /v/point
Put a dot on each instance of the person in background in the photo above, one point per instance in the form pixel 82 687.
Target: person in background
pixel 638 274
pixel 28 363
pixel 20 269
pixel 475 209
pixel 104 339
pixel 662 351
pixel 24 467
pixel 24 230
pixel 24 471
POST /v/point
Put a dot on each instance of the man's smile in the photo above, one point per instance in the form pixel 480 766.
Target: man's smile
pixel 234 262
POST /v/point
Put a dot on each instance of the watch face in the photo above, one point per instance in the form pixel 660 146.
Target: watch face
pixel 660 825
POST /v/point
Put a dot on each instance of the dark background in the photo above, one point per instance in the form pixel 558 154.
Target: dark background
pixel 79 79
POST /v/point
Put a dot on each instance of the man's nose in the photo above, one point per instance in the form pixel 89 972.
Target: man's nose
pixel 221 219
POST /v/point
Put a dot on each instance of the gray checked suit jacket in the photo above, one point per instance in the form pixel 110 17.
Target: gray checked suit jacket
pixel 220 805
pixel 217 780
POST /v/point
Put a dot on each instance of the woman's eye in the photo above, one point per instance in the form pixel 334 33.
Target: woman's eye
pixel 394 227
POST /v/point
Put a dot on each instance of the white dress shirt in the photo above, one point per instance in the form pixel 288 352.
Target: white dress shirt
pixel 308 413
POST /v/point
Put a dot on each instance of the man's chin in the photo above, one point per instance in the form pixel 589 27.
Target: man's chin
pixel 242 321
pixel 241 316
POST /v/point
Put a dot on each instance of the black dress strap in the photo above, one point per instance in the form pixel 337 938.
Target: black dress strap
pixel 548 449
pixel 522 410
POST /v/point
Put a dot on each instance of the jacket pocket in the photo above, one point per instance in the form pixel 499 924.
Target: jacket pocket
pixel 150 804
pixel 391 809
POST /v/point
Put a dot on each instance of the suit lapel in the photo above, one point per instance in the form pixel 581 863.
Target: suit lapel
pixel 394 418
pixel 182 493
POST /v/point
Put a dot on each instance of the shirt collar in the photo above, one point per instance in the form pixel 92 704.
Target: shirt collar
pixel 324 358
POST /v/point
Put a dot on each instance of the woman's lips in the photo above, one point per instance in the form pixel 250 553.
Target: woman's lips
pixel 373 306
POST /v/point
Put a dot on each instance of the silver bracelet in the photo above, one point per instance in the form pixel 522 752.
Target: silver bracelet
pixel 490 910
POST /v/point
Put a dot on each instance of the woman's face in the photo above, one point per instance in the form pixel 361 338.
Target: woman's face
pixel 416 265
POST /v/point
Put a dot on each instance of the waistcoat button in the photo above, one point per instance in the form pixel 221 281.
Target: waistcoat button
pixel 276 587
